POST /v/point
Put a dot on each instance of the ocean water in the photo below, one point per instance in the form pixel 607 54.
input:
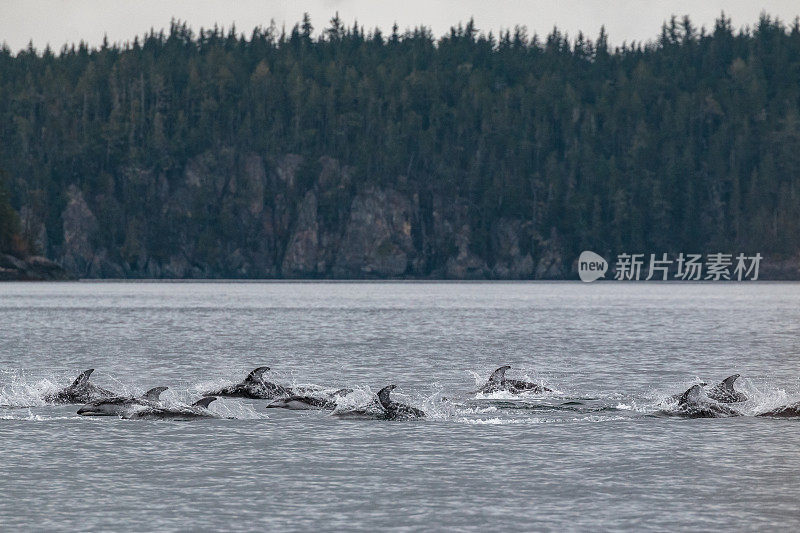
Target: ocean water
pixel 608 459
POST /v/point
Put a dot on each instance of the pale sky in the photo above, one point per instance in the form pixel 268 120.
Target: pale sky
pixel 69 21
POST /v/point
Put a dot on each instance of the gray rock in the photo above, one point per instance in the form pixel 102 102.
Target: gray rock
pixel 302 255
pixel 10 262
pixel 510 262
pixel 32 268
pixel 34 229
pixel 286 168
pixel 551 261
pixel 254 178
pixel 377 241
pixel 79 225
pixel 104 268
pixel 465 264
pixel 9 274
pixel 178 267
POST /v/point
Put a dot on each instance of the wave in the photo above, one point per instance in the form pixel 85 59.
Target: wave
pixel 20 392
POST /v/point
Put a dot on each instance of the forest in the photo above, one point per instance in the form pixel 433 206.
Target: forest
pixel 353 153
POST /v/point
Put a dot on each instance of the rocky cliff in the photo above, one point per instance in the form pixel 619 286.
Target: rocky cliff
pixel 229 215
pixel 32 268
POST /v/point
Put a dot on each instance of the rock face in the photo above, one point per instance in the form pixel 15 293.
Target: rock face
pixel 551 261
pixel 33 268
pixel 377 241
pixel 780 268
pixel 286 168
pixel 511 260
pixel 303 255
pixel 34 229
pixel 465 264
pixel 79 225
pixel 314 237
pixel 245 215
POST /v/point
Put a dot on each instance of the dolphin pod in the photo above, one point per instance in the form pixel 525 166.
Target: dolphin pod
pixel 723 392
pixel 695 403
pixel 101 402
pixel 698 401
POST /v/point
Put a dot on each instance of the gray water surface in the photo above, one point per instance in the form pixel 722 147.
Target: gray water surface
pixel 608 460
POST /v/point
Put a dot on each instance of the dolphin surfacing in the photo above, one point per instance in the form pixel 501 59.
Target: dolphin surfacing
pixel 395 410
pixel 80 391
pixel 254 387
pixel 725 393
pixel 198 409
pixel 498 382
pixel 694 403
pixel 118 405
pixel 786 411
pixel 722 392
pixel 306 402
pixel 302 403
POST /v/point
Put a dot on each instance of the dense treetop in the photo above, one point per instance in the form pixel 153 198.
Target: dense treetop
pixel 689 142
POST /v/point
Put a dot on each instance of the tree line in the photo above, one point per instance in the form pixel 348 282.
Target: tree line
pixel 689 142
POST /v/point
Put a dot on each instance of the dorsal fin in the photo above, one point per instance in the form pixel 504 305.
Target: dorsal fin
pixel 154 393
pixel 727 383
pixel 383 395
pixel 256 374
pixel 204 402
pixel 499 375
pixel 692 395
pixel 83 378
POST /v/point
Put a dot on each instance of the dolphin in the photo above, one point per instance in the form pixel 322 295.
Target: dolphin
pixel 498 382
pixel 81 391
pixel 302 403
pixel 394 410
pixel 254 387
pixel 694 403
pixel 118 405
pixel 299 402
pixel 725 393
pixel 198 409
pixel 786 411
pixel 676 398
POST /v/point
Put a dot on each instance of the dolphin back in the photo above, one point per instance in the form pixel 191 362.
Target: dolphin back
pixel 204 402
pixel 692 396
pixel 256 374
pixel 153 395
pixel 384 396
pixel 83 378
pixel 499 375
pixel 725 392
pixel 728 382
